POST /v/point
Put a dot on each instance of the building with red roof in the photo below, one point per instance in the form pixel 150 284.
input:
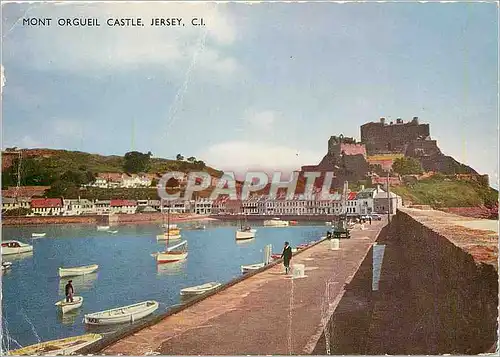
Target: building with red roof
pixel 47 206
pixel 123 206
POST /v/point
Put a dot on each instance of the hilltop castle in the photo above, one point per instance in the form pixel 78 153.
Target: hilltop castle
pixel 382 143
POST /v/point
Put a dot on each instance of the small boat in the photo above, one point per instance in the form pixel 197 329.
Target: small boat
pixel 6 265
pixel 38 235
pixel 252 267
pixel 245 233
pixel 169 236
pixel 200 289
pixel 74 271
pixel 293 223
pixel 120 315
pixel 112 232
pixel 199 227
pixel 62 347
pixel 68 306
pixel 15 247
pixel 102 228
pixel 169 226
pixel 276 222
pixel 173 254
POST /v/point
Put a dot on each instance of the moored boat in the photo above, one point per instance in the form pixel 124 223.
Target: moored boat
pixel 65 306
pixel 38 235
pixel 112 232
pixel 6 265
pixel 170 235
pixel 252 267
pixel 245 233
pixel 276 222
pixel 173 254
pixel 123 314
pixel 74 271
pixel 102 228
pixel 61 347
pixel 15 247
pixel 200 289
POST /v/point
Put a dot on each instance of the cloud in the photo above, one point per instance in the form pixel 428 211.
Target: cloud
pixel 261 120
pixel 90 49
pixel 242 156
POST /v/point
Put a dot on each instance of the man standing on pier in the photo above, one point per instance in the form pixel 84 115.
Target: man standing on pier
pixel 287 256
pixel 69 291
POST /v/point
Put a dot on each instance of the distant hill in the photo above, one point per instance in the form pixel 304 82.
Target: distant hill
pixel 44 166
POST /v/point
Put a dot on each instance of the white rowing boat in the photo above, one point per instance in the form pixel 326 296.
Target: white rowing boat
pixel 276 222
pixel 120 315
pixel 200 289
pixel 69 306
pixel 15 247
pixel 62 347
pixel 172 254
pixel 6 265
pixel 242 234
pixel 252 267
pixel 74 271
pixel 38 235
pixel 112 232
pixel 102 228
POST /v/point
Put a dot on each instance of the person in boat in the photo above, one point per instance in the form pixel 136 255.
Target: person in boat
pixel 287 256
pixel 69 291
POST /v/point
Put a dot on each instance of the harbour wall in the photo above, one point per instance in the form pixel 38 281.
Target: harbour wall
pixel 438 292
pixel 97 219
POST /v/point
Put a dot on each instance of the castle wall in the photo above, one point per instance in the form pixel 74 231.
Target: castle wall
pixel 380 137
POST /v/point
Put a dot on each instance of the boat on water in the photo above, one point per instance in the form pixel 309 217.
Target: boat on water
pixel 200 227
pixel 74 271
pixel 171 234
pixel 15 247
pixel 65 306
pixel 38 235
pixel 245 231
pixel 172 254
pixel 123 314
pixel 276 222
pixel 112 232
pixel 169 226
pixel 200 289
pixel 252 267
pixel 103 228
pixel 6 265
pixel 293 223
pixel 61 347
pixel 175 253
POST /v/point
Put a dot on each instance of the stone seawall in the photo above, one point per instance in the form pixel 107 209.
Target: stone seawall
pixel 98 219
pixel 438 291
pixel 21 221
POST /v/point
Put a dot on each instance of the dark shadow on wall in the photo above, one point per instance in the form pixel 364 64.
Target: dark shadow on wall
pixel 432 299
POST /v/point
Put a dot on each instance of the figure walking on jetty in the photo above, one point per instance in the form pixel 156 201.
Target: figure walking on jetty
pixel 69 291
pixel 287 256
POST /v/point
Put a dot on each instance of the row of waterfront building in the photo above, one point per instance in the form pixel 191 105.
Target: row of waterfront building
pixel 366 201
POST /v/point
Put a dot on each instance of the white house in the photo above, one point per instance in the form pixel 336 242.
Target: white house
pixel 123 206
pixel 76 207
pixel 102 206
pixel 47 207
pixel 385 202
pixel 203 206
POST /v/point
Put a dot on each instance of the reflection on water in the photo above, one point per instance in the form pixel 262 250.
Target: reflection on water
pixel 245 241
pixel 80 282
pixel 68 318
pixel 175 268
pixel 19 256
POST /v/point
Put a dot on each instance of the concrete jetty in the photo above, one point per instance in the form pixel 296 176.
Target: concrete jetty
pixel 266 314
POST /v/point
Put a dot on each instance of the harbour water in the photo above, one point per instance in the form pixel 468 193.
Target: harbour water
pixel 127 271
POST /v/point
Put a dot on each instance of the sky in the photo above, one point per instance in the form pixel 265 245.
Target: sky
pixel 260 86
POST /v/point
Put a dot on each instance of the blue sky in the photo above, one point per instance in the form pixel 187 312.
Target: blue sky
pixel 261 86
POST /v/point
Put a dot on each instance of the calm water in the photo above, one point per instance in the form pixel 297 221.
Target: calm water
pixel 127 272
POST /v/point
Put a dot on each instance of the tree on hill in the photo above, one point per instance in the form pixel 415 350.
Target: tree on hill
pixel 407 166
pixel 62 188
pixel 179 157
pixel 136 162
pixel 29 172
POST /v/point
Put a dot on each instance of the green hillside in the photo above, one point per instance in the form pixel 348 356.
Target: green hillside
pixel 444 192
pixel 47 166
